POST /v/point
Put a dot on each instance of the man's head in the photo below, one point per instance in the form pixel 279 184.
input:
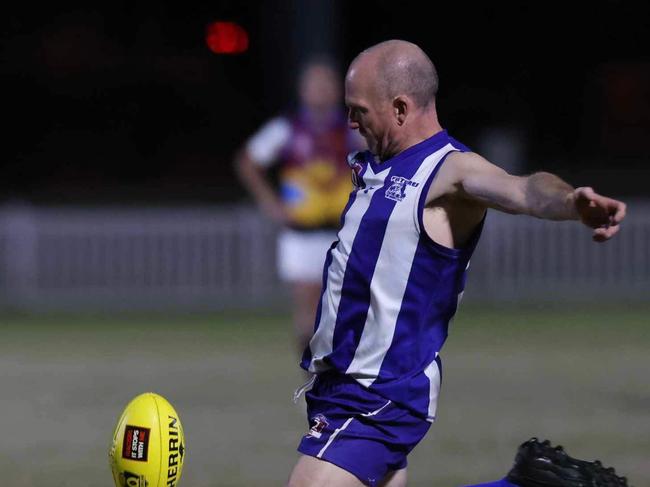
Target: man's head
pixel 390 92
pixel 319 86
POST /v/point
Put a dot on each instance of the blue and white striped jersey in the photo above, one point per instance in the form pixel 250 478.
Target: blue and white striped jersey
pixel 389 291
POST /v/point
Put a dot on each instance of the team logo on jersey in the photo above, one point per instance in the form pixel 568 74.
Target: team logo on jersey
pixel 397 190
pixel 319 423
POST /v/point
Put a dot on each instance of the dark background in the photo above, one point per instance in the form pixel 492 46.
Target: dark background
pixel 123 103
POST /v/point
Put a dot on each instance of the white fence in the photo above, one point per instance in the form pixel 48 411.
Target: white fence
pixel 522 258
pixel 136 258
pixel 216 257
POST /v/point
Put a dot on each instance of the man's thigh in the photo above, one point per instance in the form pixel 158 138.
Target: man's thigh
pixel 312 472
pixel 396 478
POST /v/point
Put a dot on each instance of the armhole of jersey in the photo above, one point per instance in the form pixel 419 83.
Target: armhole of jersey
pixel 422 197
pixel 449 251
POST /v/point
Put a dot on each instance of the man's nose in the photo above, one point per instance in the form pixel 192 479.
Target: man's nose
pixel 352 123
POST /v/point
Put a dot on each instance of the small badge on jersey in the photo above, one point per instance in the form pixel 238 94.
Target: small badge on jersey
pixel 319 423
pixel 397 190
pixel 358 161
pixel 354 161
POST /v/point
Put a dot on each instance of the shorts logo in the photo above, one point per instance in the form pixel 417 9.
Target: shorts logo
pixel 397 190
pixel 136 443
pixel 319 423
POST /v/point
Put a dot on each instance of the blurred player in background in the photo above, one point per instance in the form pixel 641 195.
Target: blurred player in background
pixel 310 146
pixel 398 269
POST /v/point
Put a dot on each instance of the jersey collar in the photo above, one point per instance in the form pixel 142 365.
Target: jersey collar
pixel 432 144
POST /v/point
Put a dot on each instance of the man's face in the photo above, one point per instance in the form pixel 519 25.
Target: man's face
pixel 368 112
pixel 319 88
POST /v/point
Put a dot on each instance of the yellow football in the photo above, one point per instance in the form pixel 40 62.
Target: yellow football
pixel 148 446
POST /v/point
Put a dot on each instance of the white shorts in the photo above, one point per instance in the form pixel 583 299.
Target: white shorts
pixel 301 255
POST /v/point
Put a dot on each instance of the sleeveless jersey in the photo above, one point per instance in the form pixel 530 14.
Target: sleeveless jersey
pixel 390 291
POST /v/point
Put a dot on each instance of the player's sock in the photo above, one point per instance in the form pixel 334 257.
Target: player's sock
pixel 498 483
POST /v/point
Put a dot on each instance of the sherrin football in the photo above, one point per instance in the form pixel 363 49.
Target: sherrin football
pixel 148 445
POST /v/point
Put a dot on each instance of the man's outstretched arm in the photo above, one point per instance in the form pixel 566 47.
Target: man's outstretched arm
pixel 542 195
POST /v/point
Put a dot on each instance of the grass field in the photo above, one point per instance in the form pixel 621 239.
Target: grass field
pixel 581 378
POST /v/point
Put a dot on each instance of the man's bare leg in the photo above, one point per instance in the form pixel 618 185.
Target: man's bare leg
pixel 305 297
pixel 396 478
pixel 312 472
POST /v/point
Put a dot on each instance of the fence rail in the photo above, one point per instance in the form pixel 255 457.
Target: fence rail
pixel 216 257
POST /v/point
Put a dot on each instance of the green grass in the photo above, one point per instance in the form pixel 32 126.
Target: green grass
pixel 578 376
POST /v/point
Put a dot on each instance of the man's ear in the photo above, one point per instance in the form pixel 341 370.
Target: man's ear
pixel 401 107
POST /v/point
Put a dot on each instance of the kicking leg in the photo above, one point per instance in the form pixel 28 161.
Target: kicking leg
pixel 396 478
pixel 312 472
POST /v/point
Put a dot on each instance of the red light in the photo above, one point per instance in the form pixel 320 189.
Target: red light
pixel 226 38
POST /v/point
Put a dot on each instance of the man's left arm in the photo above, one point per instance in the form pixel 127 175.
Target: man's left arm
pixel 542 195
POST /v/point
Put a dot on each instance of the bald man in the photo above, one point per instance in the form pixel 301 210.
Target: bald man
pixel 397 270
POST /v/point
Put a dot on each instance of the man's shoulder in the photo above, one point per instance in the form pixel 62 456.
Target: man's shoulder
pixel 458 162
pixel 456 166
pixel 459 146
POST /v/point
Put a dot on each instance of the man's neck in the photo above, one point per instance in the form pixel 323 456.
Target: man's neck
pixel 420 135
pixel 422 127
pixel 413 139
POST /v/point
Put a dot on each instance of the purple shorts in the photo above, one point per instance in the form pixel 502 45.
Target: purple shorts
pixel 358 430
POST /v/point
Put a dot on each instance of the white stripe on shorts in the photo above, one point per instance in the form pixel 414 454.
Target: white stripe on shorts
pixel 433 373
pixel 331 438
pixel 345 425
pixel 378 410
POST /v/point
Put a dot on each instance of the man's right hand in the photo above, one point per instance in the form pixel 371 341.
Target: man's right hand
pixel 599 212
